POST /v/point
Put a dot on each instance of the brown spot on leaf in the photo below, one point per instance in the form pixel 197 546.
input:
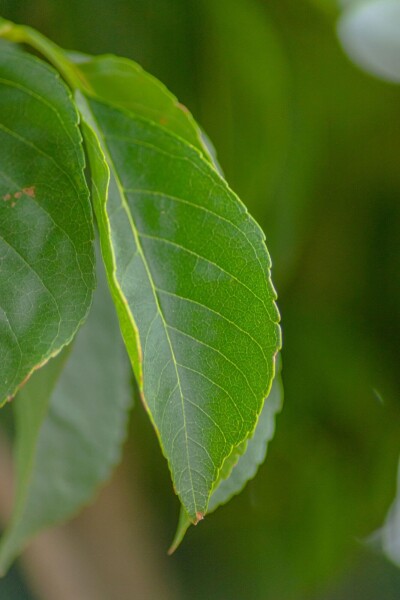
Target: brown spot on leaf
pixel 199 517
pixel 13 204
pixel 30 191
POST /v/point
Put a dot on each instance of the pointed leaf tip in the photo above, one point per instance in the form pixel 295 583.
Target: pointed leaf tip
pixel 183 525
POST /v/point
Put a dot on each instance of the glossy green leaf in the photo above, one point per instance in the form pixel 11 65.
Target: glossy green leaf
pixel 369 32
pixel 71 421
pixel 242 465
pixel 46 231
pixel 190 274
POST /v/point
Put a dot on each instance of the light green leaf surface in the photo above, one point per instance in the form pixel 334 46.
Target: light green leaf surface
pixel 190 273
pixel 369 32
pixel 46 231
pixel 71 421
pixel 243 465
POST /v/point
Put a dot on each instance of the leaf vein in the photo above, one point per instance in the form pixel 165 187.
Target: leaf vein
pixel 198 341
pixel 217 385
pixel 178 296
pixel 207 260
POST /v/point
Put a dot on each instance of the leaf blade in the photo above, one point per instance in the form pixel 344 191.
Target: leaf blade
pixel 180 355
pixel 69 432
pixel 46 262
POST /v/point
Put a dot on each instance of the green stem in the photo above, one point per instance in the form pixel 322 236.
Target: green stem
pixel 26 35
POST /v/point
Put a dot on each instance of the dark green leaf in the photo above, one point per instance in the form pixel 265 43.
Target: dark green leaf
pixel 46 231
pixel 190 274
pixel 70 427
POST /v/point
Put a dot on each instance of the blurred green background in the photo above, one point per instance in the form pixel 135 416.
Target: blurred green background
pixel 312 146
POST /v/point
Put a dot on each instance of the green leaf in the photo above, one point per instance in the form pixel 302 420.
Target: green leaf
pixel 71 420
pixel 243 464
pixel 369 33
pixel 124 84
pixel 46 230
pixel 190 275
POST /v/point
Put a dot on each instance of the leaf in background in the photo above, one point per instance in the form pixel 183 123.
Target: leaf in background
pixel 190 274
pixel 245 464
pixel 369 33
pixel 46 231
pixel 124 83
pixel 246 94
pixel 71 420
pixel 255 453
